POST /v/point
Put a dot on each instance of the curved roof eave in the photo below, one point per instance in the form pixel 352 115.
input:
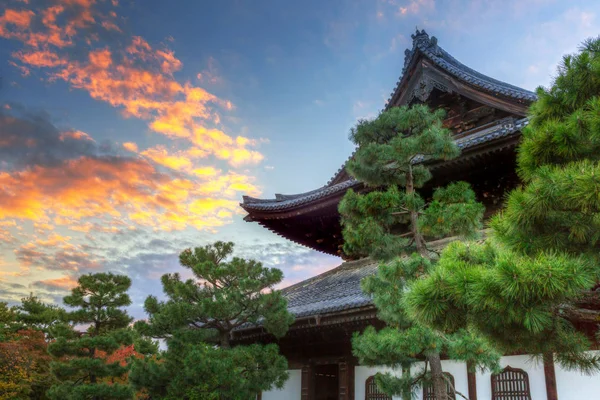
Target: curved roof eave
pixel 510 127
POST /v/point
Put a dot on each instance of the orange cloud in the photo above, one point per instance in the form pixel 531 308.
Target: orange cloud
pixel 160 155
pixel 54 240
pixel 77 135
pixel 43 28
pixel 76 198
pixel 42 227
pixel 137 79
pixel 56 254
pixel 120 188
pixel 64 283
pixel 20 19
pixel 225 147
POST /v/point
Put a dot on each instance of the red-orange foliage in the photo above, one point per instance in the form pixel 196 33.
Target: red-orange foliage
pixel 122 355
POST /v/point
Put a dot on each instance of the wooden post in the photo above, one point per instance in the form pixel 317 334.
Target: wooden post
pixel 307 383
pixel 550 377
pixel 343 390
pixel 472 382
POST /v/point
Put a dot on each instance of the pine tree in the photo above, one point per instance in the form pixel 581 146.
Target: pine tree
pixel 527 287
pixel 33 313
pixel 198 321
pixel 98 301
pixel 391 220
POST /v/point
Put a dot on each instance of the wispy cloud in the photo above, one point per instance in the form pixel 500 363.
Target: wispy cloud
pixel 551 39
pixel 65 41
pixel 403 8
pixel 70 203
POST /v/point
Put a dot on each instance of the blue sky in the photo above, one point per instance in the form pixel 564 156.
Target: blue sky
pixel 130 130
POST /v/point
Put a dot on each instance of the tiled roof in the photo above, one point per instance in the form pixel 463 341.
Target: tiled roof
pixel 339 289
pixel 423 44
pixel 503 128
pixel 427 46
pixel 333 291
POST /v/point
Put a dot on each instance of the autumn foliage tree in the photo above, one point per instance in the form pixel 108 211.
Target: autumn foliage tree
pixel 390 222
pixel 24 359
pixel 83 372
pixel 198 320
pixel 24 366
pixel 530 287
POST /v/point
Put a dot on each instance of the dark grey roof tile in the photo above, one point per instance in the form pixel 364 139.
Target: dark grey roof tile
pixel 335 290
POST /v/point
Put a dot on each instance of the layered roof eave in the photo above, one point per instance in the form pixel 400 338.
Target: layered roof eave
pixel 505 128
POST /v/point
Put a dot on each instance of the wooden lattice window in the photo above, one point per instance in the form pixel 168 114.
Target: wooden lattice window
pixel 428 389
pixel 511 384
pixel 372 392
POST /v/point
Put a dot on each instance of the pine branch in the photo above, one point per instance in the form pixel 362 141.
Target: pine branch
pixel 574 314
pixel 589 299
pixel 421 376
pixel 407 234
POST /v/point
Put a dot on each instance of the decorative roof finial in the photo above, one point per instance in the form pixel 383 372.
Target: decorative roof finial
pixel 419 35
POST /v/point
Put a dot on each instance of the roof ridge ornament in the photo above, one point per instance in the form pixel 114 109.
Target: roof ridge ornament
pixel 420 35
pixel 422 41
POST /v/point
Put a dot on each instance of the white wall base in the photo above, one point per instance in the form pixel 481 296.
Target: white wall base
pixel 291 391
pixel 571 385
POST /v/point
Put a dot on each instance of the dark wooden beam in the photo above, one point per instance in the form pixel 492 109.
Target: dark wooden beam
pixel 472 382
pixel 550 377
pixel 307 392
pixel 343 381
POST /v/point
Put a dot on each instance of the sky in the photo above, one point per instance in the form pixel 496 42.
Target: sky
pixel 129 130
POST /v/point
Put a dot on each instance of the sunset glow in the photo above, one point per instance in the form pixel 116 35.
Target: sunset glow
pixel 126 137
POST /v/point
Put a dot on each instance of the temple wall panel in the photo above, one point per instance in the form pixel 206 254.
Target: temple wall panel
pixel 573 385
pixel 291 390
pixel 534 369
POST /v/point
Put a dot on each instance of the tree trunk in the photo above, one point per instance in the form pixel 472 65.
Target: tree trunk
pixel 225 340
pixel 414 218
pixel 437 377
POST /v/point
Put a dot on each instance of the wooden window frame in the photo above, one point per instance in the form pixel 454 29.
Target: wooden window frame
pixel 516 394
pixel 374 396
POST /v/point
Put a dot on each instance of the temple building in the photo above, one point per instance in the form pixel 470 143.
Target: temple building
pixel 486 117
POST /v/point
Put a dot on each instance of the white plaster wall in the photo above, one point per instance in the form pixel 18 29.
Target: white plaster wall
pixel 573 385
pixel 291 391
pixel 534 369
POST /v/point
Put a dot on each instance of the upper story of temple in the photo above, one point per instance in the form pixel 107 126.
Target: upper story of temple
pixel 485 115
